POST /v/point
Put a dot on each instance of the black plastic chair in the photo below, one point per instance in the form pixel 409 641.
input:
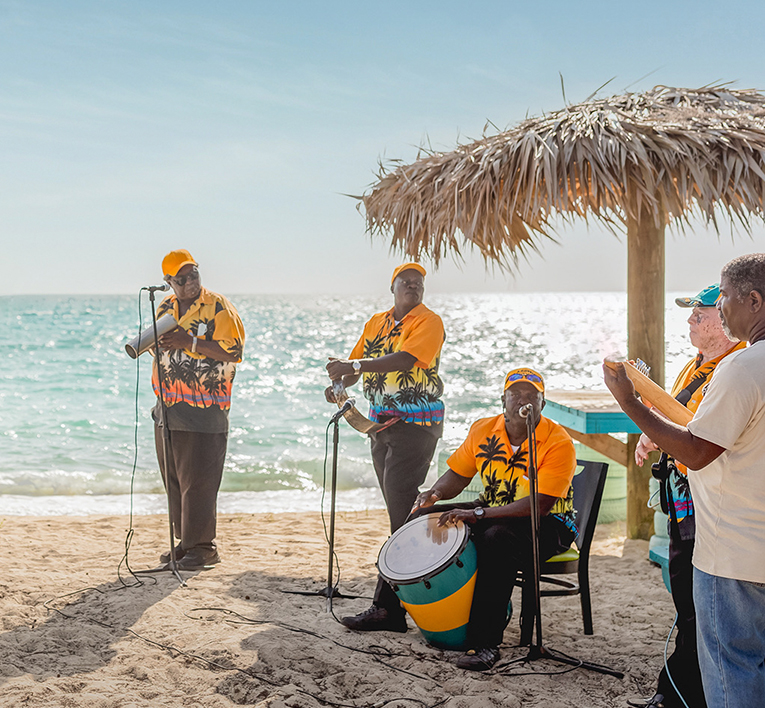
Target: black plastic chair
pixel 588 486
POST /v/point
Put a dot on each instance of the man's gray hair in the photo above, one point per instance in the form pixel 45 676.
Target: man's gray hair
pixel 746 273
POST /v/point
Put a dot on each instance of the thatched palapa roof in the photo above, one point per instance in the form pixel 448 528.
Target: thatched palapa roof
pixel 662 154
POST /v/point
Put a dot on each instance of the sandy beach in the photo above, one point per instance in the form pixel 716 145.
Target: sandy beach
pixel 72 635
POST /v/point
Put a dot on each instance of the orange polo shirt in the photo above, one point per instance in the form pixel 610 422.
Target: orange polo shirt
pixel 487 451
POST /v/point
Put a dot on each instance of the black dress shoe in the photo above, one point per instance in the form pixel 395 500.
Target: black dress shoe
pixel 377 619
pixel 198 559
pixel 179 553
pixel 479 659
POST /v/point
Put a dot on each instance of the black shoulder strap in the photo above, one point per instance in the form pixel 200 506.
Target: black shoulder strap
pixel 699 378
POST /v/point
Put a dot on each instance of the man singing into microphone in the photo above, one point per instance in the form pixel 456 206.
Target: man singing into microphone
pixel 198 361
pixel 497 449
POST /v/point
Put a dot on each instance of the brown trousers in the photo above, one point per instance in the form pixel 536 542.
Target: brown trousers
pixel 401 457
pixel 195 468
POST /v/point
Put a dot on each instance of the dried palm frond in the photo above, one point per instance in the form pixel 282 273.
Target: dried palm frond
pixel 662 154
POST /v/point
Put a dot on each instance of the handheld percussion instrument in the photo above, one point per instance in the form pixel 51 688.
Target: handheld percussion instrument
pixel 355 418
pixel 653 394
pixel 145 341
pixel 433 572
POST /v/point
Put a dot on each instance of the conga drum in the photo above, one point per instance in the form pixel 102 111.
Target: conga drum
pixel 433 572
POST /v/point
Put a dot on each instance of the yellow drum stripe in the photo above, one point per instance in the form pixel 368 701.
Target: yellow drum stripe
pixel 449 613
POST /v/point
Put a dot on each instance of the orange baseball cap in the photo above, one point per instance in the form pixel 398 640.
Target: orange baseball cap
pixel 533 377
pixel 175 260
pixel 408 266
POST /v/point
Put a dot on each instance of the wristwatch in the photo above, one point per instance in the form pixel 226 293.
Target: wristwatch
pixel 356 366
pixel 479 512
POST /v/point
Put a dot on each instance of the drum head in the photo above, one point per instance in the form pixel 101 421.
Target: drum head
pixel 420 549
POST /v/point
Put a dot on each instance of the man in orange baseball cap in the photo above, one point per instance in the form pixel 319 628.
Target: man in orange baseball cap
pixel 198 362
pixel 398 354
pixel 528 375
pixel 496 449
pixel 175 260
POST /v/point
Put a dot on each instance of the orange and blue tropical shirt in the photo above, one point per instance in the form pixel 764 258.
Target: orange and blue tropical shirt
pixel 487 451
pixel 191 378
pixel 413 396
pixel 694 370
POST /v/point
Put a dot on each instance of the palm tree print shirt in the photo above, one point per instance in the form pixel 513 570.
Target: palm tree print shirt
pixel 197 388
pixel 487 451
pixel 414 396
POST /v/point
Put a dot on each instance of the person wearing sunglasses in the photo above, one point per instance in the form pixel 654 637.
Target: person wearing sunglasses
pixel 198 361
pixel 497 450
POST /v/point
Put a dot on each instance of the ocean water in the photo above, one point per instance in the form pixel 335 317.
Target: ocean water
pixel 74 408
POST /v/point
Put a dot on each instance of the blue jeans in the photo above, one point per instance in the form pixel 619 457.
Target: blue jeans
pixel 730 627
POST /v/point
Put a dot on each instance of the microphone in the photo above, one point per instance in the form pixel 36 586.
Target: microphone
pixel 157 288
pixel 350 403
pixel 525 411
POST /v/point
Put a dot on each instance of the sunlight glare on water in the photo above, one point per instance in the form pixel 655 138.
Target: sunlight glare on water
pixel 68 390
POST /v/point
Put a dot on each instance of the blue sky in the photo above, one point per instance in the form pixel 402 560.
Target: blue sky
pixel 235 128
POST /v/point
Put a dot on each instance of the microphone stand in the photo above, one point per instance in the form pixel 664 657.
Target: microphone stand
pixel 165 439
pixel 329 591
pixel 537 650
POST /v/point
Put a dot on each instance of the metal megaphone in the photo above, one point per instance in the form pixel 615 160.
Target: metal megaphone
pixel 145 341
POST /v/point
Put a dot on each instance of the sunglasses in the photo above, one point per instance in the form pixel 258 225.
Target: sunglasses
pixel 193 274
pixel 528 377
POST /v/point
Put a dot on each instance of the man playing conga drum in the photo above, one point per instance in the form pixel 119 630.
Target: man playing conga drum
pixel 497 449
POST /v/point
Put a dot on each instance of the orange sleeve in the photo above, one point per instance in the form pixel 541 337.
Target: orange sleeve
pixel 229 330
pixel 557 464
pixel 358 350
pixel 463 461
pixel 425 339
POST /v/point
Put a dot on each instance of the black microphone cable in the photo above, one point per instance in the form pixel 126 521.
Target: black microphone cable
pixel 137 580
pixel 666 662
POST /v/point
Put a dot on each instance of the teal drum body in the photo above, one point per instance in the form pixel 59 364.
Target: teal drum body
pixel 433 572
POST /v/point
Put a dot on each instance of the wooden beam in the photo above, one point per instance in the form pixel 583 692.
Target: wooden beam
pixel 603 443
pixel 645 294
pixel 645 340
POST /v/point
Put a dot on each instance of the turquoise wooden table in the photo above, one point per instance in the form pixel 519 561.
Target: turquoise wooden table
pixel 591 417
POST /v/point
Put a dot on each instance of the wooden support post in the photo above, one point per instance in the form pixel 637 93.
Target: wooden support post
pixel 645 340
pixel 639 516
pixel 603 443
